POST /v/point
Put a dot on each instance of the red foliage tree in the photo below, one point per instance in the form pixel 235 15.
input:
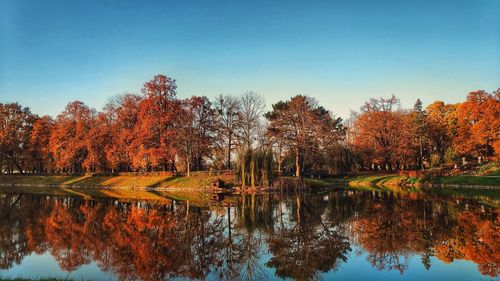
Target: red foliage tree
pixel 154 134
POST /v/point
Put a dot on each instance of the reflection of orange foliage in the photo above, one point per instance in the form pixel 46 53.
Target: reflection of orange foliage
pixel 386 233
pixel 448 252
pixel 477 239
pixel 138 241
pixel 391 231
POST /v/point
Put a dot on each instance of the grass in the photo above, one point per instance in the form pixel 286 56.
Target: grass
pixel 467 180
pixel 193 182
pixel 489 169
pixel 156 188
pixel 196 198
pixel 392 180
pixel 379 180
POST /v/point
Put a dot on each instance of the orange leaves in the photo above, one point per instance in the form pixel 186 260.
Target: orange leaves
pixel 471 128
pixel 478 124
pixel 154 135
pixel 381 133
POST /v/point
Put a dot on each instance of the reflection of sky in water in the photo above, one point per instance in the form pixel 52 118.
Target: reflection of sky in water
pixel 36 266
pixel 356 268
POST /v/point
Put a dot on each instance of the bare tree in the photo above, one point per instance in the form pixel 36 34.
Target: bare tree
pixel 252 110
pixel 228 110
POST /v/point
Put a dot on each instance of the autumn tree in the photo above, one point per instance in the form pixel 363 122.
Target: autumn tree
pixel 40 144
pixel 98 138
pixel 303 125
pixel 378 131
pixel 478 124
pixel 69 139
pixel 122 112
pixel 195 130
pixel 441 127
pixel 154 134
pixel 16 123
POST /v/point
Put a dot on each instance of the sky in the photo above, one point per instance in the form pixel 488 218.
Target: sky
pixel 340 52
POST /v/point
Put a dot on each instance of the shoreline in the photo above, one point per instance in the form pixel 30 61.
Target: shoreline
pixel 203 182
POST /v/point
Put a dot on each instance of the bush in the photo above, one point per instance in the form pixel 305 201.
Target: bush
pixel 451 156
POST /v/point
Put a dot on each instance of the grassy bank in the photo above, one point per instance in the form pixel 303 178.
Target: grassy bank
pixel 156 188
pixel 401 180
pixel 193 182
pixel 195 198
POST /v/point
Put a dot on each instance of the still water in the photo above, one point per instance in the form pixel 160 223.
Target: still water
pixel 337 235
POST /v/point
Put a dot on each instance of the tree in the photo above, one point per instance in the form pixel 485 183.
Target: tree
pixel 39 144
pixel 122 112
pixel 69 139
pixel 419 121
pixel 228 110
pixel 15 128
pixel 441 127
pixel 98 138
pixel 478 124
pixel 378 131
pixel 154 134
pixel 303 125
pixel 194 128
pixel 252 110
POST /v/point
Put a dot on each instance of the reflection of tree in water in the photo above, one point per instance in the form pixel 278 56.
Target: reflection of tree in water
pixel 13 246
pixel 476 237
pixel 384 230
pixel 307 246
pixel 305 235
pixel 390 228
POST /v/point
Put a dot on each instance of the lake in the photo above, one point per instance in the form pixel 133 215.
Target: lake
pixel 334 235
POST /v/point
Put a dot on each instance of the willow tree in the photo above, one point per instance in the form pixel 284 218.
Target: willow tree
pixel 254 167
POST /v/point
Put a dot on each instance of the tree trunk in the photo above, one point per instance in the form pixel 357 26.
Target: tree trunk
pixel 188 166
pixel 229 154
pixel 421 153
pixel 19 167
pixel 299 210
pixel 298 166
pixel 252 172
pixel 253 207
pixel 243 167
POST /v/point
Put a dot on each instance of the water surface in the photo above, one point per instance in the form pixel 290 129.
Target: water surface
pixel 337 235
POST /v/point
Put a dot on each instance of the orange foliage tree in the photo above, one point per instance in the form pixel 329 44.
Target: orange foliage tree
pixel 39 144
pixel 382 133
pixel 154 134
pixel 15 130
pixel 69 139
pixel 478 131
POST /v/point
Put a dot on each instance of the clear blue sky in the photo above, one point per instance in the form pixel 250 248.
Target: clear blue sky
pixel 341 52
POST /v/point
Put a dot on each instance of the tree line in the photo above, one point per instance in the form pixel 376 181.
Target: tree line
pixel 157 131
